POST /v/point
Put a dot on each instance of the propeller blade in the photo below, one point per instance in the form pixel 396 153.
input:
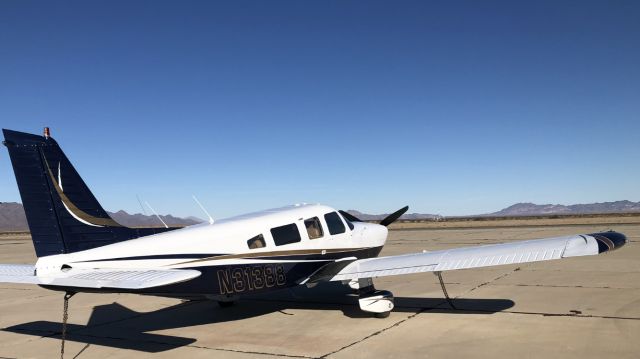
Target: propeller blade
pixel 394 216
pixel 350 217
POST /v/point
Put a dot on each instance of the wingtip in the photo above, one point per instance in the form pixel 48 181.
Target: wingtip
pixel 609 241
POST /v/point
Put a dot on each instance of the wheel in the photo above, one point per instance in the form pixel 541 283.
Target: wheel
pixel 226 304
pixel 382 315
pixel 379 302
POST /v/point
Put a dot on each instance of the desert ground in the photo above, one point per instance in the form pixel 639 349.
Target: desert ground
pixel 574 308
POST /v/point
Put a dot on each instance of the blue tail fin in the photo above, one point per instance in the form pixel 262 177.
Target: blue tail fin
pixel 62 213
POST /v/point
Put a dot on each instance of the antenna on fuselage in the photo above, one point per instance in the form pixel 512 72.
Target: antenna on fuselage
pixel 154 212
pixel 144 211
pixel 203 209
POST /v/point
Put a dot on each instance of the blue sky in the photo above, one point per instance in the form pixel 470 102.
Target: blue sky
pixel 450 107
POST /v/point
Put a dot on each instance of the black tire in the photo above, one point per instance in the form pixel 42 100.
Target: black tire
pixel 226 304
pixel 382 315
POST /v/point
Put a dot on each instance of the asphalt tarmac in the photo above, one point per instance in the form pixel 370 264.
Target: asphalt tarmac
pixel 573 308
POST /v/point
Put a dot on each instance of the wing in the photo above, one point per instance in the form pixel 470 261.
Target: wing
pixel 476 257
pixel 98 278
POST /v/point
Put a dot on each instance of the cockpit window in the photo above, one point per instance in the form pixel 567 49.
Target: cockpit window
pixel 351 227
pixel 314 228
pixel 348 222
pixel 256 242
pixel 285 234
pixel 334 223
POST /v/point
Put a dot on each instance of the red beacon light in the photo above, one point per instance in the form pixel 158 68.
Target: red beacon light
pixel 47 133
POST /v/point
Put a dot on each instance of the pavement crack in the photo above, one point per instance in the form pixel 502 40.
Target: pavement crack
pixel 558 286
pixel 394 325
pixel 422 310
pixel 490 282
pixel 251 352
pixel 533 269
pixel 572 314
pixel 7 288
pixel 156 342
pixel 82 350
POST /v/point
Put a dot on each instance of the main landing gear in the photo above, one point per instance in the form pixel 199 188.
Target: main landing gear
pixel 225 301
pixel 379 302
pixel 444 289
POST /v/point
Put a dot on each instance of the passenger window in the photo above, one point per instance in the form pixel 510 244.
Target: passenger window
pixel 334 223
pixel 314 229
pixel 285 234
pixel 257 242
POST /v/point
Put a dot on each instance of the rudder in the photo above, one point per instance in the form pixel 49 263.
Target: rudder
pixel 62 213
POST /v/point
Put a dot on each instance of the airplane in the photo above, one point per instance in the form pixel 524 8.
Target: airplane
pixel 81 249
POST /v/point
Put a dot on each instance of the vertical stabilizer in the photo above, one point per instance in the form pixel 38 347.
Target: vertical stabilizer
pixel 62 213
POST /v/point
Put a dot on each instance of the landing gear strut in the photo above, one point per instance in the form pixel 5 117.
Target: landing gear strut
pixel 379 302
pixel 225 301
pixel 444 289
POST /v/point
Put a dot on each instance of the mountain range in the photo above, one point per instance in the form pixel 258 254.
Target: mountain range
pixel 406 216
pixel 527 209
pixel 12 216
pixel 531 209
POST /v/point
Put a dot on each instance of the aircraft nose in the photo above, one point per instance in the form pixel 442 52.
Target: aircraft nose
pixel 380 232
pixel 609 241
pixel 384 231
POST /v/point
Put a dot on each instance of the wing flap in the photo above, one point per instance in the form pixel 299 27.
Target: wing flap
pixel 472 257
pixel 328 271
pixel 98 278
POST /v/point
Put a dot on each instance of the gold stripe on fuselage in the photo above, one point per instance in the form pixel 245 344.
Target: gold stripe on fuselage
pixel 275 254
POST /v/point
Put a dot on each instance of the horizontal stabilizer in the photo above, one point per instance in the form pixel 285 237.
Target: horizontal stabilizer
pixel 18 273
pixel 98 278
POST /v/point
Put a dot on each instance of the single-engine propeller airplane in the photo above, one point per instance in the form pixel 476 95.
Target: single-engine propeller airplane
pixel 81 249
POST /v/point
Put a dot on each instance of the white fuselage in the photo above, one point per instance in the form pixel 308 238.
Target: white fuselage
pixel 225 242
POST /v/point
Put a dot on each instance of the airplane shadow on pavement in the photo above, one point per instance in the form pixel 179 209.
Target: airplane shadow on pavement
pixel 114 325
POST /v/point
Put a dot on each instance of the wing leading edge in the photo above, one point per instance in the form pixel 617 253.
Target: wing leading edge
pixel 97 278
pixel 481 256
